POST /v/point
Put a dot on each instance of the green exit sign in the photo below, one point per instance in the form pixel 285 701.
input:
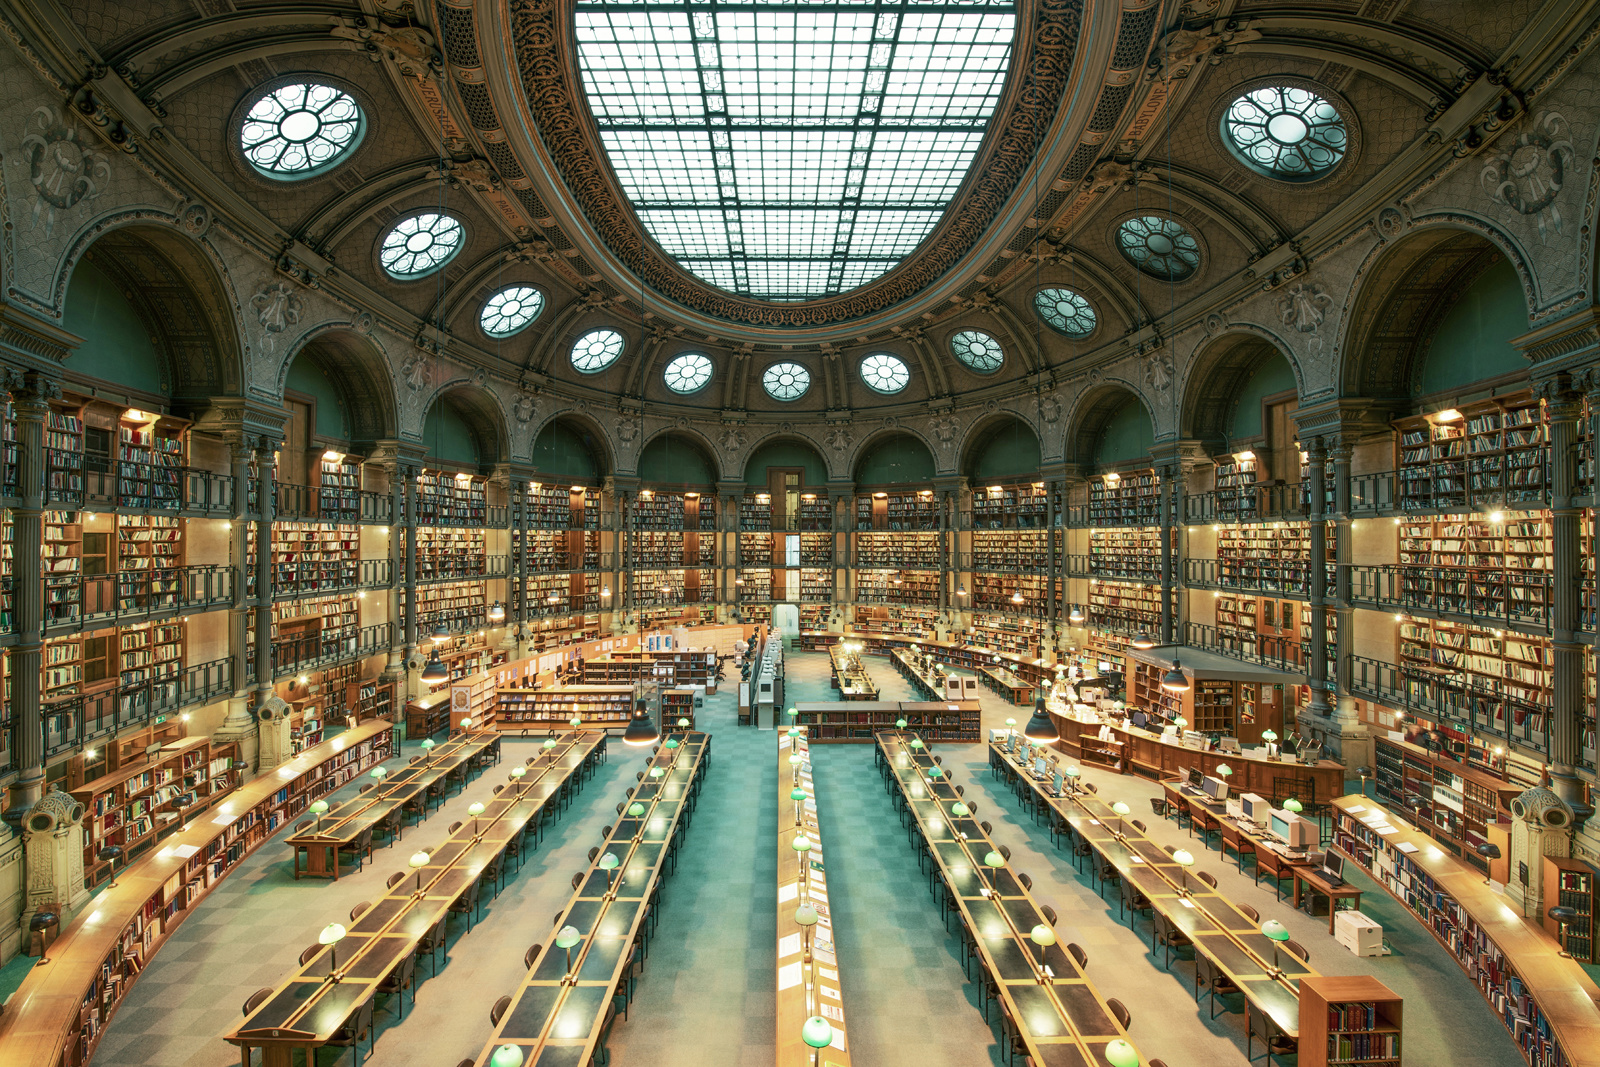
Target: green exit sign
pixel 160 719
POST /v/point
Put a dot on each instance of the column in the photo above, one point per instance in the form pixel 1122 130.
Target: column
pixel 1563 408
pixel 31 395
pixel 239 727
pixel 266 507
pixel 1168 474
pixel 1052 613
pixel 1317 576
pixel 517 543
pixel 841 498
pixel 1344 611
pixel 408 473
pixel 395 669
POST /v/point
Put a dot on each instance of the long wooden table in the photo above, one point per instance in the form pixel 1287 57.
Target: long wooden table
pixel 340 827
pixel 1061 1017
pixel 307 1008
pixel 1008 685
pixel 806 987
pixel 1228 937
pixel 557 1014
pixel 1307 881
pixel 48 1021
pixel 850 676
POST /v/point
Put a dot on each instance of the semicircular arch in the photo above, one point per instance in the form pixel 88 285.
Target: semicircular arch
pixel 1215 373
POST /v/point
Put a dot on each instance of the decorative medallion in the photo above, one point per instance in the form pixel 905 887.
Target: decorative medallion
pixel 1528 175
pixel 65 171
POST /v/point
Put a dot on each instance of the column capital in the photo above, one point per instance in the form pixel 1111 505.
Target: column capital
pixel 240 415
pixel 398 457
pixel 1343 421
pixel 1184 455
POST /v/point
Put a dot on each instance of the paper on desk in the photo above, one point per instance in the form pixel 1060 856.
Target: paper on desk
pixel 224 820
pixel 788 945
pixel 832 976
pixel 783 743
pixel 831 1012
pixel 788 892
pixel 823 955
pixel 788 976
pixel 1387 830
pixel 838 1039
pixel 183 852
pixel 1354 809
pixel 1406 847
pixel 830 992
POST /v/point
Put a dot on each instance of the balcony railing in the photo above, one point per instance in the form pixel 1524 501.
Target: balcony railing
pixel 1468 593
pixel 1278 652
pixel 1447 697
pixel 1274 577
pixel 73 722
pixel 104 485
pixel 79 601
pixel 307 653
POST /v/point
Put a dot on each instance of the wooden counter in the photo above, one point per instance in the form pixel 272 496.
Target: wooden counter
pixel 62 1008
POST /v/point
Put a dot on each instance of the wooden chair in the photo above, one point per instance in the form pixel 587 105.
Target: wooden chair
pixel 1120 1012
pixel 577 880
pixel 1210 978
pixel 531 955
pixel 309 953
pixel 1258 1024
pixel 258 998
pixel 1165 934
pixel 1049 913
pixel 499 1010
pixel 355 1029
pixel 1004 851
pixel 1133 899
pixel 1249 913
pixel 1090 787
pixel 357 911
pixel 454 827
pixel 395 879
pixel 359 850
pixel 401 977
pixel 369 787
pixel 1296 949
pixel 391 826
pixel 1271 864
pixel 593 852
pixel 1139 826
pixel 1076 952
pixel 987 829
pixel 1026 880
pixel 304 825
pixel 1207 877
pixel 467 903
pixel 433 942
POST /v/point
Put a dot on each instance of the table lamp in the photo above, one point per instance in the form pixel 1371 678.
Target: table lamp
pixel 1269 736
pixel 656 772
pixel 427 751
pixel 669 744
pixel 960 810
pixel 475 810
pixel 1489 851
pixel 636 809
pixel 1011 726
pixel 993 861
pixel 1293 805
pixel 1121 810
pixel 576 722
pixel 506 1056
pixel 380 772
pixel 608 863
pixel 795 759
pixel 1365 772
pixel 466 724
pixel 797 795
pixel 916 744
pixel 418 861
pixel 935 771
pixel 110 853
pixel 566 937
pixel 683 722
pixel 1277 932
pixel 1184 859
pixel 318 808
pixel 1223 770
pixel 1563 915
pixel 793 714
pixel 818 1033
pixel 1044 937
pixel 1072 774
pixel 794 731
pixel 517 772
pixel 1181 723
pixel 1121 1054
pixel 806 916
pixel 899 724
pixel 549 743
pixel 331 935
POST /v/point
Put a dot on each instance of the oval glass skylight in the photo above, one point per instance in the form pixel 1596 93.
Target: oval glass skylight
pixel 884 373
pixel 786 381
pixel 1159 246
pixel 420 244
pixel 1065 311
pixel 510 310
pixel 978 350
pixel 597 350
pixel 689 372
pixel 790 152
pixel 1285 132
pixel 301 130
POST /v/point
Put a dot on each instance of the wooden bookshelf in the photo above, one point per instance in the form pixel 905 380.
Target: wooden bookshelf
pixel 62 566
pixel 473 697
pixel 1124 607
pixel 553 506
pixel 897 512
pixel 1497 677
pixel 999 594
pixel 899 550
pixel 314 557
pixel 915 587
pixel 1349 1019
pixel 447 498
pixel 1459 805
pixel 149 553
pixel 900 621
pixel 1131 552
pixel 1131 498
pixel 856 722
pixel 1010 636
pixel 63 458
pixel 1494 452
pixel 1012 507
pixel 1234 479
pixel 457 605
pixel 339 488
pixel 601 707
pixel 1013 550
pixel 1572 883
pixel 1273 557
pixel 450 552
pixel 1497 563
pixel 677 704
pixel 370 700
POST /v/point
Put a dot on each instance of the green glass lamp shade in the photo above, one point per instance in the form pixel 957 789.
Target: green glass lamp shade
pixel 1042 935
pixel 1120 808
pixel 994 859
pixel 567 936
pixel 656 772
pixel 794 713
pixel 318 807
pixel 549 742
pixel 1074 771
pixel 1180 722
pixel 506 1056
pixel 1224 770
pixel 960 810
pixel 1269 736
pixel 899 724
pixel 427 742
pixel 418 859
pixel 1011 723
pixel 1183 858
pixel 609 862
pixel 379 771
pixel 670 743
pixel 1275 930
pixel 466 724
pixel 636 810
pixel 935 772
pixel 518 772
pixel 817 1032
pixel 683 724
pixel 796 759
pixel 797 794
pixel 331 934
pixel 801 843
pixel 1293 805
pixel 805 915
pixel 916 743
pixel 575 722
pixel 794 731
pixel 1121 1054
pixel 476 808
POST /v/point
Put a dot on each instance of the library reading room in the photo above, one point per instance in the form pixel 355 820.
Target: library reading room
pixel 1146 447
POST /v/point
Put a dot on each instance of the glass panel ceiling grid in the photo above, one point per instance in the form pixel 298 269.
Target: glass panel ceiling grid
pixel 793 150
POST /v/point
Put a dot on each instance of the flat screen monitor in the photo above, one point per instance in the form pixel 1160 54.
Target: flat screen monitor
pixel 1103 667
pixel 1333 863
pixel 1011 742
pixel 1230 744
pixel 1196 777
pixel 1057 782
pixel 1038 765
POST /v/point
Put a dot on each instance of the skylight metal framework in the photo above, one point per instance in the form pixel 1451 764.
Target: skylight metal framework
pixel 788 150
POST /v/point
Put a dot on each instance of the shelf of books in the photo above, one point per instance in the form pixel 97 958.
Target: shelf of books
pixel 753 585
pixel 473 698
pixel 1018 594
pixel 1234 481
pixel 1349 1019
pixel 62 547
pixel 561 507
pixel 149 553
pixel 917 550
pixel 756 549
pixel 1123 607
pixel 449 552
pixel 661 588
pixel 858 721
pixel 676 512
pixel 561 594
pixel 129 924
pixel 314 557
pixel 1271 557
pixel 816 550
pixel 552 551
pixel 816 512
pixel 455 605
pixel 1013 550
pixel 1143 688
pixel 601 707
pixel 1013 507
pixel 1131 498
pixel 446 498
pixel 312 627
pixel 1571 883
pixel 1446 789
pixel 897 587
pixel 677 705
pixel 1496 563
pixel 897 512
pixel 339 488
pixel 816 585
pixel 1548 1002
pixel 1487 453
pixel 1498 680
pixel 1125 553
pixel 898 621
pixel 1002 633
pixel 149 464
pixel 755 513
pixel 653 548
pixel 63 458
pixel 369 700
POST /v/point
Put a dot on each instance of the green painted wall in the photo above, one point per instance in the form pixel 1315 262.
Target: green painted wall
pixel 116 345
pixel 306 377
pixel 563 453
pixel 896 461
pixel 668 461
pixel 1471 343
pixel 1272 377
pixel 785 454
pixel 1011 451
pixel 447 435
pixel 1128 434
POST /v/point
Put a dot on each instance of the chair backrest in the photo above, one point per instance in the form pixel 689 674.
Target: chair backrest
pixel 308 953
pixel 1249 913
pixel 606 833
pixel 1208 878
pixel 364 840
pixel 1297 949
pixel 577 880
pixel 1137 825
pixel 532 954
pixel 986 827
pixel 395 879
pixel 356 912
pixel 620 807
pixel 366 788
pixel 498 788
pixel 498 1010
pixel 1091 787
pixel 1170 849
pixel 1026 880
pixel 1120 1011
pixel 972 809
pixel 454 827
pixel 961 790
pixel 1049 913
pixel 1005 851
pixel 257 998
pixel 416 759
pixel 304 825
pixel 1077 953
pixel 593 852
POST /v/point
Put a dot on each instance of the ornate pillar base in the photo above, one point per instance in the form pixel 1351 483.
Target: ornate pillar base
pixel 52 840
pixel 272 733
pixel 239 728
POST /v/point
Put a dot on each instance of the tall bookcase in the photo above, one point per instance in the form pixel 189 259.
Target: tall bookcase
pixel 1124 607
pixel 1572 883
pixel 149 551
pixel 1484 564
pixel 1130 552
pixel 897 512
pixel 1349 1019
pixel 1131 498
pixel 1012 550
pixel 149 459
pixel 1012 507
pixel 1499 676
pixel 897 587
pixel 1490 452
pixel 446 498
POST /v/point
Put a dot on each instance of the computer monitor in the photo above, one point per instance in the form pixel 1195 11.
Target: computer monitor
pixel 1333 863
pixel 1230 744
pixel 1038 765
pixel 1196 777
pixel 1292 830
pixel 1057 782
pixel 1211 786
pixel 1255 808
pixel 1011 742
pixel 1139 719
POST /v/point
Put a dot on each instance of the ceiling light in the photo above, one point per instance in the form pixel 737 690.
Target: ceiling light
pixel 1175 681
